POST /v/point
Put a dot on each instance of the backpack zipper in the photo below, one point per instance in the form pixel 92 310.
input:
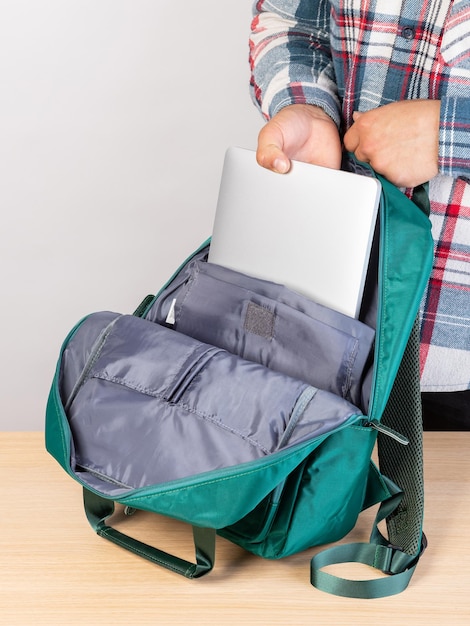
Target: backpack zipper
pixel 385 430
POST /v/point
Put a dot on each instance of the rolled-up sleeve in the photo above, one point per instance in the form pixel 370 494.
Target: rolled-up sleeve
pixel 290 56
pixel 454 137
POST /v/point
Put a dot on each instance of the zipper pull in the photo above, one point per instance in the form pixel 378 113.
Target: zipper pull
pixel 385 430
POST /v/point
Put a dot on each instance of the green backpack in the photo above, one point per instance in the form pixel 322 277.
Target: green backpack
pixel 163 412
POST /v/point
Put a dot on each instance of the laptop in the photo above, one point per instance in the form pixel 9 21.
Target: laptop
pixel 310 229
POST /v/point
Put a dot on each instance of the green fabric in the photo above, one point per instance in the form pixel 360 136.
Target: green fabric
pixel 403 511
pixel 328 488
pixel 310 494
pixel 369 554
pixel 404 464
pixel 204 500
pixel 406 255
pixel 98 510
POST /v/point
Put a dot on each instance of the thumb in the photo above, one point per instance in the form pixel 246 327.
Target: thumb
pixel 273 158
pixel 270 153
pixel 357 115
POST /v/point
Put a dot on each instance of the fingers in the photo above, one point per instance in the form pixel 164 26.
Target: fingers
pixel 359 139
pixel 301 132
pixel 400 140
pixel 351 140
pixel 270 152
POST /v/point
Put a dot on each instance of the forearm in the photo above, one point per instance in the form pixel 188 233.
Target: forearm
pixel 454 137
pixel 290 57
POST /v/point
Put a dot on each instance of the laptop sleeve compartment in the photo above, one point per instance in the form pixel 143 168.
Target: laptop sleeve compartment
pixel 267 323
pixel 141 386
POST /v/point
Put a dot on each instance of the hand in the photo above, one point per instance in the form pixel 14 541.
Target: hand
pixel 302 132
pixel 400 140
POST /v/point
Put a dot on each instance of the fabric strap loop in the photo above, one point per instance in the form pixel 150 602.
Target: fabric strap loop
pixel 98 510
pixel 377 557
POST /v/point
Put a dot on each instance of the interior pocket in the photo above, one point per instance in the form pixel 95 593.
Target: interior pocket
pixel 82 348
pixel 155 405
pixel 270 324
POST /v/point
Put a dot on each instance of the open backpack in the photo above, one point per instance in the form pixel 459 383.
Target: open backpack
pixel 248 411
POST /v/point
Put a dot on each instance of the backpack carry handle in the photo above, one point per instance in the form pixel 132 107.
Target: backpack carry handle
pixel 99 509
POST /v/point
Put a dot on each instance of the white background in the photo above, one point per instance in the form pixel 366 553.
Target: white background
pixel 114 119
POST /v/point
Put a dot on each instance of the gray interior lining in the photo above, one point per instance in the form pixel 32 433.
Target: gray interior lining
pixel 269 324
pixel 155 405
pixel 224 369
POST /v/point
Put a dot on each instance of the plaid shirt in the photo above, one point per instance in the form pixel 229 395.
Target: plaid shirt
pixel 347 55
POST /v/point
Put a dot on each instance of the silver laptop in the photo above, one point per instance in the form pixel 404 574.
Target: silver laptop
pixel 310 229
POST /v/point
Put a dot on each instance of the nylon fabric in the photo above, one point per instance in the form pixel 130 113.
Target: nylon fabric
pixel 211 404
pixel 141 397
pixel 406 250
pixel 316 490
pixel 366 589
pixel 98 510
pixel 304 340
pixel 207 500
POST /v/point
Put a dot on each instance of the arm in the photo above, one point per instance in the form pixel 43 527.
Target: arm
pixel 293 84
pixel 400 140
pixel 454 136
pixel 411 141
pixel 290 56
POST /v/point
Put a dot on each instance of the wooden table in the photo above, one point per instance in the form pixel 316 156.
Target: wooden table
pixel 55 570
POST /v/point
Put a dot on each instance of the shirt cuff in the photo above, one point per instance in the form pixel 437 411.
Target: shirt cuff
pixel 298 93
pixel 454 137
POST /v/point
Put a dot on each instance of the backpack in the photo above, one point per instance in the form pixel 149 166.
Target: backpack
pixel 248 411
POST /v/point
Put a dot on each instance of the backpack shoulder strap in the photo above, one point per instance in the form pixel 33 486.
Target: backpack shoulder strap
pixel 402 468
pixel 403 511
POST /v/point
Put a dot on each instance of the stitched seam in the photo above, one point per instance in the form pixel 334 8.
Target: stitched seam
pixel 265 466
pixel 103 533
pixel 95 353
pixel 103 476
pixel 349 368
pixel 192 280
pixel 213 419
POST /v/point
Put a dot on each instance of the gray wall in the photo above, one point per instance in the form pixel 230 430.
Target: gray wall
pixel 114 119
